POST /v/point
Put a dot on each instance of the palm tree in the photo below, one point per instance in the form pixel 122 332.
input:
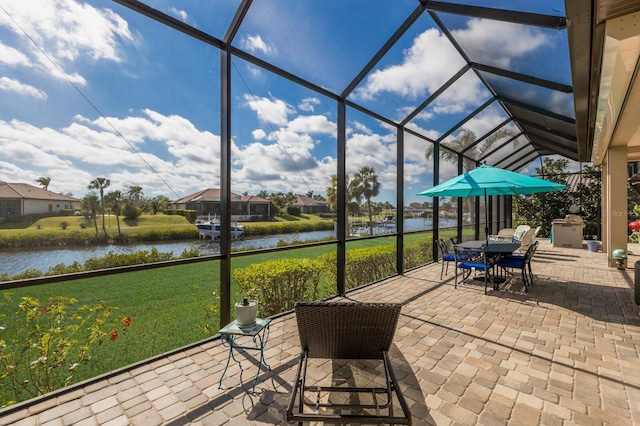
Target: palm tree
pixel 90 204
pixel 332 192
pixel 100 184
pixel 135 195
pixel 466 138
pixel 44 182
pixel 114 199
pixel 365 184
pixel 157 204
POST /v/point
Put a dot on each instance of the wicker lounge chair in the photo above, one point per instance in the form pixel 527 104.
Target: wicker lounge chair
pixel 346 331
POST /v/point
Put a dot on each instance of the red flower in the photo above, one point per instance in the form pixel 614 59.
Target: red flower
pixel 114 335
pixel 126 321
pixel 45 309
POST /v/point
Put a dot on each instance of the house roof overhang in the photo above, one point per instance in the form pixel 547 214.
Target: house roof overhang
pixel 604 45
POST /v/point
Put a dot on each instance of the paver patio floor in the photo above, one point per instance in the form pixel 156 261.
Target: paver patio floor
pixel 565 353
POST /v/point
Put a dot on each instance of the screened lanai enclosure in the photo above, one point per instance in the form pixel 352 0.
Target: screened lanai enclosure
pixel 419 91
pixel 358 103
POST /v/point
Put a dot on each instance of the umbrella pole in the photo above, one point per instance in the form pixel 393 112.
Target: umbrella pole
pixel 486 218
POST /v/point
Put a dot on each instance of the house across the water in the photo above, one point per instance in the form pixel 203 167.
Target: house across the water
pixel 310 205
pixel 20 199
pixel 207 204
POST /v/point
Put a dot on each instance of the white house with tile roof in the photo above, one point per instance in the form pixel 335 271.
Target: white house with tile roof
pixel 19 199
pixel 207 204
pixel 310 205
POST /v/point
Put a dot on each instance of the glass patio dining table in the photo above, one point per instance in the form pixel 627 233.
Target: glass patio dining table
pixel 493 250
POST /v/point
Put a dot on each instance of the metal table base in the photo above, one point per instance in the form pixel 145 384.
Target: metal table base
pixel 259 334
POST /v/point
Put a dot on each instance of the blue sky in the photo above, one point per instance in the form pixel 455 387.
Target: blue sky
pixel 91 89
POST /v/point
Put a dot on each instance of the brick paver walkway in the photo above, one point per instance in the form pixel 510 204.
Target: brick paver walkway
pixel 566 353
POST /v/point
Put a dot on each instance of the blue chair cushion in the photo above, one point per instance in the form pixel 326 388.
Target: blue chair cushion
pixel 509 262
pixel 514 256
pixel 474 265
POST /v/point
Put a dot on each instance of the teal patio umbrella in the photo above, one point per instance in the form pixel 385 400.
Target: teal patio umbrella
pixel 487 180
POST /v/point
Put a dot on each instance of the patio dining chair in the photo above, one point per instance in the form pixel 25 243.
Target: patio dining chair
pixel 472 261
pixel 509 263
pixel 446 256
pixel 519 232
pixel 505 234
pixel 346 331
pixel 526 240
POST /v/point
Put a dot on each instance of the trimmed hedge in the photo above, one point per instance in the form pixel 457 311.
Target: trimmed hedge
pixel 364 265
pixel 45 239
pixel 418 253
pixel 279 284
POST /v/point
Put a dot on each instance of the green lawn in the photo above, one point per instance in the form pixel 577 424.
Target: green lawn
pixel 163 304
pixel 145 223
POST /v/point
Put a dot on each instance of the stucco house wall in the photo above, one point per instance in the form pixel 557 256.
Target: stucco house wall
pixel 207 205
pixel 19 199
pixel 48 206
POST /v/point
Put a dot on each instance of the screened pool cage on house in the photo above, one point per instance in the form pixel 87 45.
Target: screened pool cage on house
pixel 453 102
pixel 293 93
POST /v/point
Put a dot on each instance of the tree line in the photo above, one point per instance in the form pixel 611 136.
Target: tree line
pixel 360 191
pixel 130 203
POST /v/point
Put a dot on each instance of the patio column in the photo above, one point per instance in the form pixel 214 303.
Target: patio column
pixel 614 192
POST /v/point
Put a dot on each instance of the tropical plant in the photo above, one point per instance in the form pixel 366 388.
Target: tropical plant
pixel 589 192
pixel 90 204
pixel 114 201
pixel 131 213
pixel 135 195
pixel 100 184
pixel 44 182
pixel 352 204
pixel 365 185
pixel 157 204
pixel 47 344
pixel 283 201
pixel 542 209
pixel 207 324
pixel 465 140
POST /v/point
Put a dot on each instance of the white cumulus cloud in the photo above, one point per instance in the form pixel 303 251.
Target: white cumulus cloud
pixel 11 85
pixel 79 31
pixel 425 66
pixel 254 43
pixel 273 111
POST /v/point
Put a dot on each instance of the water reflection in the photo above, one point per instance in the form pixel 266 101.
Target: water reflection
pixel 15 261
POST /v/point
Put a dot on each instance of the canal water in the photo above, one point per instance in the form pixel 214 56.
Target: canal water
pixel 15 261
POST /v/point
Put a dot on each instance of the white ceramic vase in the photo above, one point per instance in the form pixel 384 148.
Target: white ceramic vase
pixel 246 312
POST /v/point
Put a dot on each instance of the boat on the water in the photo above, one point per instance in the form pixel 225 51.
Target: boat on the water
pixel 388 221
pixel 211 229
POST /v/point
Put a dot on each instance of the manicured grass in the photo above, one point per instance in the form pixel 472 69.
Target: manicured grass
pixel 289 218
pixel 164 306
pixel 145 223
pixel 159 225
pixel 162 303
